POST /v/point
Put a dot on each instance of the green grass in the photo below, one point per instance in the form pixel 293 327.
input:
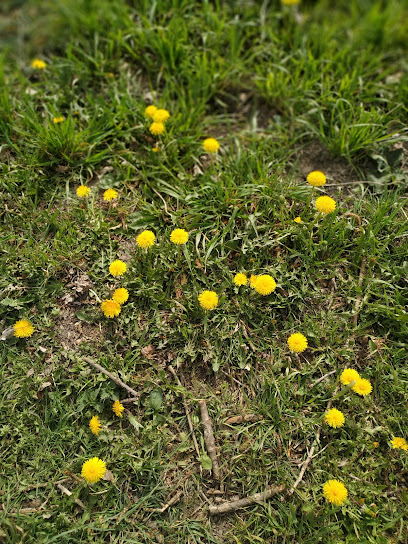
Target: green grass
pixel 283 96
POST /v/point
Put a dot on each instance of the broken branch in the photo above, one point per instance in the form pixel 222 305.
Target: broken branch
pixel 209 439
pixel 118 381
pixel 242 503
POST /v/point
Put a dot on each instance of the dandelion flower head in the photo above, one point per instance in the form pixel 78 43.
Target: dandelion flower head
pixel 23 328
pixel 157 128
pixel 362 387
pixel 297 342
pixel 83 191
pixel 398 442
pixel 146 239
pixel 298 220
pixel 240 279
pixel 95 425
pixel 38 64
pixel 349 375
pixel 57 120
pixel 316 178
pixel 334 418
pixel 325 204
pixel 290 2
pixel 252 281
pixel 110 308
pixel 211 145
pixel 265 284
pixel 335 492
pixel 161 116
pixel 208 300
pixel 120 295
pixel 117 268
pixel 155 149
pixel 150 110
pixel 110 194
pixel 118 408
pixel 179 236
pixel 93 470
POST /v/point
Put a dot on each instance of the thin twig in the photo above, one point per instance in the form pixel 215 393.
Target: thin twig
pixel 209 439
pixel 129 400
pixel 360 296
pixel 322 378
pixel 187 410
pixel 244 418
pixel 242 503
pixel 118 381
pixel 68 493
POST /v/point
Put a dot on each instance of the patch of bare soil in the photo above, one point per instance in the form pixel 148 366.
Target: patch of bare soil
pixel 71 331
pixel 316 157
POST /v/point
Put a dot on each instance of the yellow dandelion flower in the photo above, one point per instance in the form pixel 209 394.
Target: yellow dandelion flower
pixel 155 149
pixel 290 2
pixel 211 145
pixel 157 128
pixel 335 492
pixel 83 191
pixel 362 387
pixel 93 470
pixel 298 220
pixel 252 281
pixel 240 279
pixel 150 110
pixel 95 425
pixel 161 116
pixel 208 300
pixel 23 329
pixel 297 342
pixel 118 408
pixel 38 64
pixel 117 268
pixel 146 239
pixel 120 295
pixel 110 308
pixel 265 284
pixel 57 120
pixel 398 442
pixel 334 418
pixel 349 375
pixel 316 178
pixel 376 444
pixel 179 236
pixel 110 194
pixel 325 204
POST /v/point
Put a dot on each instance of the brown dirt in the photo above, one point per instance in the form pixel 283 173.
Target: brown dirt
pixel 71 331
pixel 316 157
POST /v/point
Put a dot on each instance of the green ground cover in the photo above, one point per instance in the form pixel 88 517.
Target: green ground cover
pixel 285 90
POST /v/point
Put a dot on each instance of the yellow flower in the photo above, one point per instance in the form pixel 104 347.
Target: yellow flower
pixel 376 444
pixel 211 145
pixel 335 492
pixel 334 418
pixel 265 284
pixel 23 329
pixel 363 387
pixel 38 64
pixel 83 191
pixel 400 443
pixel 349 375
pixel 110 194
pixel 316 178
pixel 93 470
pixel 57 120
pixel 157 128
pixel 117 268
pixel 240 279
pixel 146 239
pixel 150 110
pixel 118 408
pixel 325 204
pixel 120 295
pixel 298 220
pixel 290 2
pixel 208 300
pixel 161 116
pixel 110 308
pixel 252 280
pixel 297 342
pixel 156 149
pixel 95 426
pixel 179 236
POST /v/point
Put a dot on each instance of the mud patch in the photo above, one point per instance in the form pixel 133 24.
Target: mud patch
pixel 71 331
pixel 316 157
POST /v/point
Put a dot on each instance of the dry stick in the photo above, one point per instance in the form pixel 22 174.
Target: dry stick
pixel 245 418
pixel 187 410
pixel 320 379
pixel 118 381
pixel 309 457
pixel 360 283
pixel 172 501
pixel 68 493
pixel 209 439
pixel 241 503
